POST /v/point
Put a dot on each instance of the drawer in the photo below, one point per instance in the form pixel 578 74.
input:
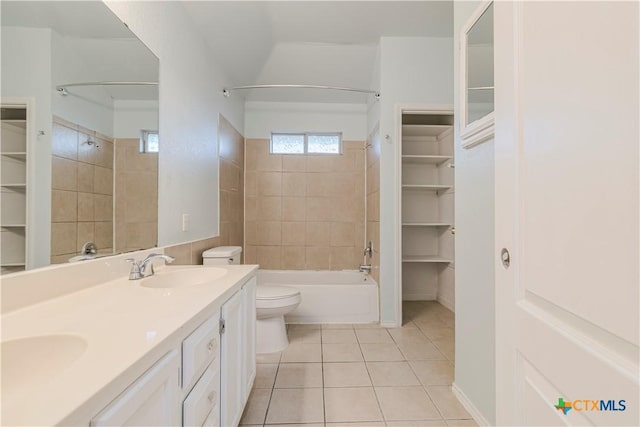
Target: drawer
pixel 199 349
pixel 202 404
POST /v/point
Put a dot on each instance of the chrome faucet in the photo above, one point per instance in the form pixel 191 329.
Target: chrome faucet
pixel 365 268
pixel 144 268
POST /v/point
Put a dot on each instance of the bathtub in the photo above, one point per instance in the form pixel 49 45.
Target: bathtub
pixel 328 296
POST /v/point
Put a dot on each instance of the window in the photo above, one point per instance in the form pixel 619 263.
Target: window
pixel 149 141
pixel 306 143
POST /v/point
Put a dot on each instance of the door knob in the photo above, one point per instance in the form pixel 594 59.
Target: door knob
pixel 506 258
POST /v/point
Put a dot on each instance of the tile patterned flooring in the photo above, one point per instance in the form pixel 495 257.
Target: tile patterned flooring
pixel 362 375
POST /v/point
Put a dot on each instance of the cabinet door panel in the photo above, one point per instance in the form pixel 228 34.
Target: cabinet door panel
pixel 250 336
pixel 152 400
pixel 232 364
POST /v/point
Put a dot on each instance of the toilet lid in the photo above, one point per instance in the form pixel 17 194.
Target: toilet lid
pixel 275 292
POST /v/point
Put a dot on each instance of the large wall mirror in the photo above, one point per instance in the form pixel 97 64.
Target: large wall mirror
pixel 79 143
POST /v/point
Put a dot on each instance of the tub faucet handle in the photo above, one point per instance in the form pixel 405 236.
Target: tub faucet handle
pixel 368 251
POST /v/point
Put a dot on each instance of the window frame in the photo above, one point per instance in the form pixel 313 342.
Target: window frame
pixel 144 141
pixel 305 151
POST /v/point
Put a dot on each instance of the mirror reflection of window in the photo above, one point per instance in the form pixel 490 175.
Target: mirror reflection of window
pixel 480 86
pixel 149 141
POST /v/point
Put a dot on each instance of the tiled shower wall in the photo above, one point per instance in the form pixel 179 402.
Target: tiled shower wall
pixel 373 200
pixel 304 212
pixel 136 196
pixel 231 144
pixel 82 191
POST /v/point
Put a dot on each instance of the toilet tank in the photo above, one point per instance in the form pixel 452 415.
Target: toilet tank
pixel 222 255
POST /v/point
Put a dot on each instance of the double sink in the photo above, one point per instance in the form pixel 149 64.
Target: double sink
pixel 34 360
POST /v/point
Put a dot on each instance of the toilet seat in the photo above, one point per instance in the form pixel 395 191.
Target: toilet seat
pixel 271 296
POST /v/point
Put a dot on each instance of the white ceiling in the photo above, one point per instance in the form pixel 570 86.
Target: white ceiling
pixel 310 42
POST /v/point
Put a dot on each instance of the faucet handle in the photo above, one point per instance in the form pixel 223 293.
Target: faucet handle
pixel 135 272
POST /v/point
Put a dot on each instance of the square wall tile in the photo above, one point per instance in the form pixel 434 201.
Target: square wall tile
pixel 64 174
pixel 64 206
pixel 317 233
pixel 269 208
pixel 294 234
pixel 293 208
pixel 269 184
pixel 318 258
pixel 269 257
pixel 293 258
pixel 294 184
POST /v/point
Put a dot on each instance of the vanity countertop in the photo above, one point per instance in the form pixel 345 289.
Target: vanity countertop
pixel 125 326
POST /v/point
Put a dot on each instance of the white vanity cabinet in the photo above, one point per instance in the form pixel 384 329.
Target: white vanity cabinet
pixel 206 378
pixel 152 400
pixel 238 353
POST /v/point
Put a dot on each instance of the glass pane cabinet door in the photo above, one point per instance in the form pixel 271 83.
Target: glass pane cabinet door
pixel 480 67
pixel 477 77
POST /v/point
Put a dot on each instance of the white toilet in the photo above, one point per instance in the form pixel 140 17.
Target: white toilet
pixel 272 302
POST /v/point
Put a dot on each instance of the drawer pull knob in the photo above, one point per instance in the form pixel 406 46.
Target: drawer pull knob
pixel 211 345
pixel 212 396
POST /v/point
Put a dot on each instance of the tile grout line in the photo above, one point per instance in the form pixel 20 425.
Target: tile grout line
pixel 366 366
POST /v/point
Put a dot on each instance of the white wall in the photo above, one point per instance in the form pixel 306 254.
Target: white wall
pixel 29 75
pixel 474 293
pixel 132 116
pixel 191 98
pixel 262 118
pixel 412 70
pixel 91 107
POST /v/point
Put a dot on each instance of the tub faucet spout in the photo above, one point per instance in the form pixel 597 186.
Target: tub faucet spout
pixel 365 268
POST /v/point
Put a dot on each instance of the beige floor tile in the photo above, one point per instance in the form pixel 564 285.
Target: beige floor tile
pixel 299 375
pixel 268 357
pixel 295 326
pixel 366 325
pixel 381 352
pixel 420 350
pixel 360 424
pixel 341 353
pixel 446 347
pixel 301 352
pixel 391 374
pixel 351 405
pixel 447 403
pixel 407 334
pixel 256 408
pixel 309 336
pixel 435 330
pixel 421 423
pixel 265 375
pixel 462 423
pixel 349 374
pixel 433 372
pixel 406 403
pixel 338 336
pixel 408 324
pixel 300 405
pixel 373 336
pixel 296 425
pixel 337 326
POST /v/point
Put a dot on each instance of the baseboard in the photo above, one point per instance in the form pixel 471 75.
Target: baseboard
pixel 470 407
pixel 389 325
pixel 418 296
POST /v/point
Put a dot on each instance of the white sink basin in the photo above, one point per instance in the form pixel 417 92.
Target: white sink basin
pixel 36 360
pixel 181 277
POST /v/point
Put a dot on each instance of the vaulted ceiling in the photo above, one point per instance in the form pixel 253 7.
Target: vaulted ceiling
pixel 310 42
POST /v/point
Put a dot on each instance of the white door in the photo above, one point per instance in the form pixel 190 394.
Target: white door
pixel 232 361
pixel 567 211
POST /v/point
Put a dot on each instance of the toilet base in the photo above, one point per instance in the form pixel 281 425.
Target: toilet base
pixel 271 335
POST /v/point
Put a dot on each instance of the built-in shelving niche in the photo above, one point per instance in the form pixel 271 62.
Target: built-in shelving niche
pixel 427 205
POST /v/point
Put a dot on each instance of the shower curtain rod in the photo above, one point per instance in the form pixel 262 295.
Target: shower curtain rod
pixel 227 91
pixel 62 89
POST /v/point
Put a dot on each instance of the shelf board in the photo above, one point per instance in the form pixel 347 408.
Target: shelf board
pixel 14 185
pixel 425 130
pixel 17 155
pixel 12 264
pixel 432 160
pixel 425 187
pixel 426 259
pixel 13 225
pixel 481 88
pixel 425 224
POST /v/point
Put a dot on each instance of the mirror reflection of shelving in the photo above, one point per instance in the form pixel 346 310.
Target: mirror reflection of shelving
pixel 427 204
pixel 13 189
